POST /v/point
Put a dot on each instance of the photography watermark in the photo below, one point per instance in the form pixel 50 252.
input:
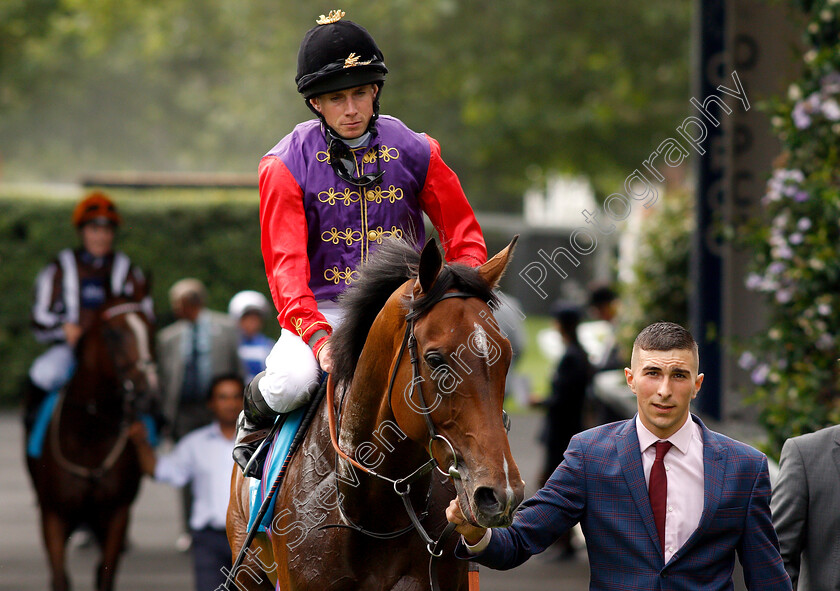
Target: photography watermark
pixel 638 187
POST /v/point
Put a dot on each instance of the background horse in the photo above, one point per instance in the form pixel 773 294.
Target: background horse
pixel 87 473
pixel 420 365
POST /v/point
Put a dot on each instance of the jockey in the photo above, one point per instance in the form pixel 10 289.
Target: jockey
pixel 70 290
pixel 249 309
pixel 330 192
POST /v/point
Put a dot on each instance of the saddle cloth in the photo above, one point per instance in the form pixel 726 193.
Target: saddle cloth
pixel 38 435
pixel 274 461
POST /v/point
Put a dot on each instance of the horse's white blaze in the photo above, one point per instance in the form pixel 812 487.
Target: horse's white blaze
pixel 142 336
pixel 480 341
pixel 508 487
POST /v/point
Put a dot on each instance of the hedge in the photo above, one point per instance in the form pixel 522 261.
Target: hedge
pixel 213 236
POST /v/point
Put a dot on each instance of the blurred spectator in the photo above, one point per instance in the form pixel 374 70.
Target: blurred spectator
pixel 248 309
pixel 509 316
pixel 564 406
pixel 203 460
pixel 193 350
pixel 70 291
pixel 599 335
pixel 806 509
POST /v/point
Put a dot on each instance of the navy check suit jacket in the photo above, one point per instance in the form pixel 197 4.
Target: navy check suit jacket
pixel 601 484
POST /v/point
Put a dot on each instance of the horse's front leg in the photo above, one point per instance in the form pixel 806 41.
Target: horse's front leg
pixel 112 539
pixel 55 531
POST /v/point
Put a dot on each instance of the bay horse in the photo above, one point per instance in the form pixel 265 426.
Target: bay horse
pixel 419 370
pixel 86 473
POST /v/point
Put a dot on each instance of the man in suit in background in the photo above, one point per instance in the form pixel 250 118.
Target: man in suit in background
pixel 192 351
pixel 806 509
pixel 664 502
pixel 199 346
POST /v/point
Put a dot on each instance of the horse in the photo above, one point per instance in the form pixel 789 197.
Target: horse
pixel 87 474
pixel 418 378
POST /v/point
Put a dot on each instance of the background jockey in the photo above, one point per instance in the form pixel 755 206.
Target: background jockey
pixel 70 290
pixel 330 192
pixel 249 310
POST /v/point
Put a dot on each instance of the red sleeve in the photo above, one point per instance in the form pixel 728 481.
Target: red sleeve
pixel 283 239
pixel 443 200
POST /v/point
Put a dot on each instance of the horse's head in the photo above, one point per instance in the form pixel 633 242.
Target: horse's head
pixel 123 335
pixel 451 384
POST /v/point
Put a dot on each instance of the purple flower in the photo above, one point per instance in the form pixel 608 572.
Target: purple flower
pixel 825 341
pixel 801 196
pixel 747 360
pixel 804 224
pixel 796 238
pixel 783 296
pixel 776 268
pixel 753 281
pixel 759 374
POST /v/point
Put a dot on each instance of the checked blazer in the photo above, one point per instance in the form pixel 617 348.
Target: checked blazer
pixel 601 484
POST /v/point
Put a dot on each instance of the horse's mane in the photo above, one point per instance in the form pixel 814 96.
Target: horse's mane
pixel 393 263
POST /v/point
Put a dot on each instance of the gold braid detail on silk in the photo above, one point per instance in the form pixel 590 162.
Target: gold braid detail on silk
pixel 348 235
pixel 377 194
pixel 377 234
pixel 336 275
pixel 331 196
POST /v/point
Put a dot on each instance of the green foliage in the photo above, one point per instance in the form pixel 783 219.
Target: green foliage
pixel 794 364
pixel 660 286
pixel 513 90
pixel 217 242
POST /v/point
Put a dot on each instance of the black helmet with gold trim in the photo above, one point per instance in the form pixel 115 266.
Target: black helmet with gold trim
pixel 337 54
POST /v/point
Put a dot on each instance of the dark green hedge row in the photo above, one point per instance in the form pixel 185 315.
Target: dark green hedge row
pixel 212 239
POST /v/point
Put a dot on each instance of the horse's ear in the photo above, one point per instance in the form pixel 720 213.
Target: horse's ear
pixel 492 270
pixel 430 265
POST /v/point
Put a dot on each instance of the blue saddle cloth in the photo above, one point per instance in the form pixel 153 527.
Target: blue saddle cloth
pixel 35 443
pixel 273 464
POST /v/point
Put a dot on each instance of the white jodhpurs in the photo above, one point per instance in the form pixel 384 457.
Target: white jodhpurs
pixel 291 374
pixel 53 368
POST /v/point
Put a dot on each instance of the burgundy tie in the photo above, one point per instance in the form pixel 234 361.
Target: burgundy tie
pixel 658 490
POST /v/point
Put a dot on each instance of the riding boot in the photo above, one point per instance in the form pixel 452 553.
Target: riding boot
pixel 253 426
pixel 33 396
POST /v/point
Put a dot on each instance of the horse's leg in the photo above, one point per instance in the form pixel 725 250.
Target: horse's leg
pixel 112 538
pixel 251 574
pixel 56 531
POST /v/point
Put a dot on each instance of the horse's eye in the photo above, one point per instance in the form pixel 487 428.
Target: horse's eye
pixel 435 359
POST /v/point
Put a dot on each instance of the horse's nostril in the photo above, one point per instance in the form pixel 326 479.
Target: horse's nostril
pixel 488 500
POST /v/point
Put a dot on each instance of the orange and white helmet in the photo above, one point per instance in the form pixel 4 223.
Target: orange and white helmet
pixel 96 207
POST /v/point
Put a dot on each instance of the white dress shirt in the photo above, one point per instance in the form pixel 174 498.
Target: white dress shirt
pixel 202 458
pixel 684 469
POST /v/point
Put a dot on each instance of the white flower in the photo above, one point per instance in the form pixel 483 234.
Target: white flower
pixel 827 15
pixel 777 121
pixel 833 2
pixel 813 28
pixel 810 56
pixel 775 334
pixel 831 110
pixel 804 224
pixel 794 92
pixel 816 264
pixel 796 238
pixel 824 309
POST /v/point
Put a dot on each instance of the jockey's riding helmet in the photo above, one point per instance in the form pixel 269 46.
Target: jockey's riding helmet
pixel 97 208
pixel 337 54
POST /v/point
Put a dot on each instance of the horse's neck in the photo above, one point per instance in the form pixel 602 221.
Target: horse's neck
pixel 93 375
pixel 370 434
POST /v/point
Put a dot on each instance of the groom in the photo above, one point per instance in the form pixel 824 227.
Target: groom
pixel 664 502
